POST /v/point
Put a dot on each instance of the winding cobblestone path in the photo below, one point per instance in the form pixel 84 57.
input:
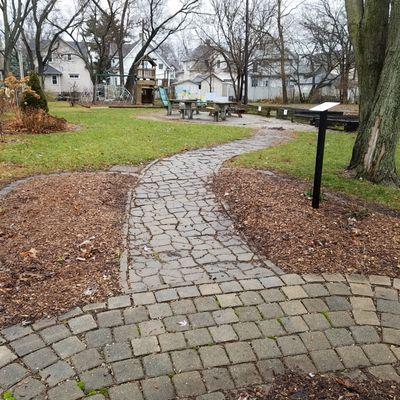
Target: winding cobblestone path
pixel 201 313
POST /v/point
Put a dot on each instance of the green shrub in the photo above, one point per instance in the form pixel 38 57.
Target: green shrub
pixel 32 101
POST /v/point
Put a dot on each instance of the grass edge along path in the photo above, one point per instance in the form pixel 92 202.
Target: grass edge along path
pixel 105 137
pixel 297 158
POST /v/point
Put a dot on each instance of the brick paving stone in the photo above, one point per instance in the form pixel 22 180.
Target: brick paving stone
pixel 315 290
pixel 366 317
pixel 338 303
pixel 151 328
pixel 240 352
pixel 339 337
pixel 98 338
pixel 245 374
pixel 108 319
pixel 360 289
pixel 272 295
pixel 251 284
pixel 134 315
pixel 6 356
pixel 56 373
pixel 11 374
pixel 316 322
pixel 66 391
pixel 265 348
pixel 68 347
pixel 97 378
pixel 27 344
pixel 338 288
pixel 117 352
pixel 198 337
pixel 188 291
pixel 390 320
pixel 223 333
pixel 86 359
pixel 211 396
pixel 353 357
pixel 55 333
pixel 294 324
pixel 294 292
pixel 213 356
pixel 145 345
pixel 230 287
pixel 315 341
pixel 391 336
pixel 313 278
pixel 315 305
pixel 326 361
pixel 189 384
pixel 176 323
pixel 82 324
pixel 159 310
pixel 166 295
pixel 385 372
pixel 210 288
pixel 271 328
pixel 271 282
pixel 362 303
pixel 208 303
pixel 292 279
pixel 228 300
pixel 126 391
pixel 100 306
pixel 388 306
pixel 379 353
pixel 300 362
pixel 247 330
pixel 364 334
pixel 159 388
pixel 248 313
pixel 172 341
pixel 16 332
pixel 226 316
pixel 127 370
pixel 386 293
pixel 185 306
pixel 291 345
pixel 333 277
pixel 380 280
pixel 201 320
pixel 340 319
pixel 293 307
pixel 218 379
pixel 396 283
pixel 125 333
pixel 157 364
pixel 186 360
pixel 119 302
pixel 270 310
pixel 269 368
pixel 250 298
pixel 40 359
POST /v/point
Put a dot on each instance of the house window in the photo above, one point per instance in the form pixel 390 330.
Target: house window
pixel 160 66
pixel 218 64
pixel 54 79
pixel 266 83
pixel 200 86
pixel 254 82
pixel 74 76
pixel 69 57
pixel 255 67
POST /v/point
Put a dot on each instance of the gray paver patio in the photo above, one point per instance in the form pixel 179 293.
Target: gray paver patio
pixel 201 312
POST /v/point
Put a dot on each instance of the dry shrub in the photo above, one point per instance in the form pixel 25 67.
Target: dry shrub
pixel 38 121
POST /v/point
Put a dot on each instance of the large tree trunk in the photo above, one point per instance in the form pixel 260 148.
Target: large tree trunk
pixel 282 54
pixel 376 40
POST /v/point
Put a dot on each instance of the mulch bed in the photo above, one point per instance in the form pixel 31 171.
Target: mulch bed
pixel 298 386
pixel 345 235
pixel 60 240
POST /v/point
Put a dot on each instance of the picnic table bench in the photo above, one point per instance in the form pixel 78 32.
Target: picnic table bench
pixel 350 123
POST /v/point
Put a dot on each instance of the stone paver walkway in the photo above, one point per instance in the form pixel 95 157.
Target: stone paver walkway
pixel 201 313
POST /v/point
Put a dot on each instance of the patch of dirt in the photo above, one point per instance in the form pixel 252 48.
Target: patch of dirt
pixel 60 241
pixel 299 386
pixel 345 235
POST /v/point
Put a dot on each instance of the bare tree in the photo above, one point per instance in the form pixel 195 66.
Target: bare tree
pixel 375 32
pixel 225 33
pixel 157 26
pixel 14 13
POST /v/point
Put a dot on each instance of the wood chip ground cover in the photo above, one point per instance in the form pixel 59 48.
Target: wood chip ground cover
pixel 345 235
pixel 60 240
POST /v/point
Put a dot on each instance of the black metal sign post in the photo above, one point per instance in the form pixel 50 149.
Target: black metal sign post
pixel 323 124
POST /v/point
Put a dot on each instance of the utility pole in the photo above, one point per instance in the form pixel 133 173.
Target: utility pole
pixel 246 57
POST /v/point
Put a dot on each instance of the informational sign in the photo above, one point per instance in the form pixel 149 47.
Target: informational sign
pixel 324 106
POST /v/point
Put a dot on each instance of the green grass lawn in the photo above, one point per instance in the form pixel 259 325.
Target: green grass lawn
pixel 107 137
pixel 297 158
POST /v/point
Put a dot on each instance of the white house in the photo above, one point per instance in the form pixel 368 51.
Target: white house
pixel 66 71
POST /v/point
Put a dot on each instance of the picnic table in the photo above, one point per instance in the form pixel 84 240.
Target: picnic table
pixel 187 109
pixel 221 109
